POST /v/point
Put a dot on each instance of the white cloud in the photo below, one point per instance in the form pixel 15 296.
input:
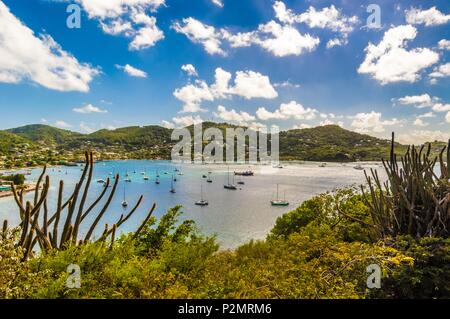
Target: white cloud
pixel 301 126
pixel 284 40
pixel 372 122
pixel 192 95
pixel 24 56
pixel 429 17
pixel 329 18
pixel 218 3
pixel 116 8
pixel 441 71
pixel 441 107
pixel 132 71
pixel 420 122
pixel 128 18
pixel 233 116
pixel 390 61
pixel 330 122
pixel 167 124
pixel 280 40
pixel 426 115
pixel 89 108
pixel 197 32
pixel 447 117
pixel 186 120
pixel 286 84
pixel 422 136
pixel 419 101
pixel 247 84
pixel 86 128
pixel 425 101
pixel 62 124
pixel 444 44
pixel 286 111
pixel 189 69
pixel 250 84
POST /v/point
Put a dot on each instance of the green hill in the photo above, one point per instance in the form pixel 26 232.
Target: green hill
pixel 44 134
pixel 323 143
pixel 12 143
pixel 332 143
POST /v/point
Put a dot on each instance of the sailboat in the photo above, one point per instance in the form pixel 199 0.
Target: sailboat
pixel 172 188
pixel 202 202
pixel 209 180
pixel 124 202
pixel 229 185
pixel 278 201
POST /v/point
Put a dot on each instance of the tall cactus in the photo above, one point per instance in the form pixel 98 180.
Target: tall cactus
pixel 415 200
pixel 69 214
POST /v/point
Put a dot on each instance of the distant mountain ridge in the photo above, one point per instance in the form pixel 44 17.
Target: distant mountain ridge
pixel 322 143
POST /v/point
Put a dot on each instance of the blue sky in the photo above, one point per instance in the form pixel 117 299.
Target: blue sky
pixel 252 62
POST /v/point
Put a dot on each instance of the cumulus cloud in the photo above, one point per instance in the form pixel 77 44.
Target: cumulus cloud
pixel 425 101
pixel 284 40
pixel 390 61
pixel 422 136
pixel 233 116
pixel 279 40
pixel 329 18
pixel 420 122
pixel 128 18
pixel 27 57
pixel 247 84
pixel 189 69
pixel 88 109
pixel 62 124
pixel 132 71
pixel 429 17
pixel 197 32
pixel 291 110
pixel 372 122
pixel 441 71
pixel 420 101
pixel 444 44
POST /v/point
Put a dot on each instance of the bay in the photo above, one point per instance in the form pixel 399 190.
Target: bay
pixel 234 216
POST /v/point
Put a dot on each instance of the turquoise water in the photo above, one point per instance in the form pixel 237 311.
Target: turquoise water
pixel 234 216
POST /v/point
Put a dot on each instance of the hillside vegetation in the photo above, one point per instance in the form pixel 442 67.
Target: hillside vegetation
pixel 37 144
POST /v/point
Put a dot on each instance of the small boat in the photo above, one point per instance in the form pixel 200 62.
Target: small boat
pixel 157 181
pixel 204 176
pixel 172 188
pixel 246 173
pixel 142 173
pixel 180 174
pixel 146 178
pixel 202 202
pixel 101 181
pixel 278 166
pixel 209 180
pixel 165 173
pixel 278 201
pixel 124 202
pixel 128 180
pixel 358 167
pixel 157 173
pixel 229 185
pixel 323 165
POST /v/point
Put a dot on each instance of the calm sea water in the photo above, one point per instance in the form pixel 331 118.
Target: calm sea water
pixel 234 216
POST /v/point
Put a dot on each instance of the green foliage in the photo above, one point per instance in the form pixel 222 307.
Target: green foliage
pixel 331 143
pixel 327 209
pixel 415 201
pixel 17 179
pixel 430 275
